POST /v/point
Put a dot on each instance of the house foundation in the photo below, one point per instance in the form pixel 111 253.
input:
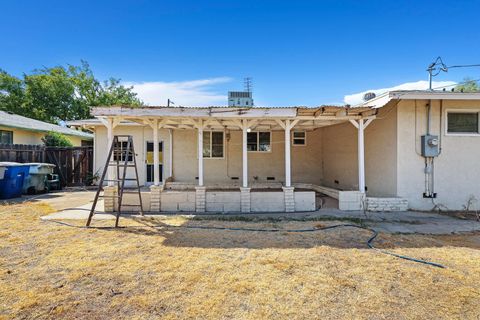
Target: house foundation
pixel 200 199
pixel 155 198
pixel 110 194
pixel 245 199
pixel 289 198
pixel 386 204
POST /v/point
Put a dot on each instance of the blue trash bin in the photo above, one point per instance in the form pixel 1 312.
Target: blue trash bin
pixel 12 175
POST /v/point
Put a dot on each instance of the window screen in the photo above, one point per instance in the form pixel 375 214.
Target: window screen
pixel 299 138
pixel 217 144
pixel 462 122
pixel 122 152
pixel 252 140
pixel 259 141
pixel 6 136
pixel 264 141
pixel 207 147
pixel 213 144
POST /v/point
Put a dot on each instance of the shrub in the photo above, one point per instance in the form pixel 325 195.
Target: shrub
pixel 55 139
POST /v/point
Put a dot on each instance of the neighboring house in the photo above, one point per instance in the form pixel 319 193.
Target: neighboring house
pixel 15 129
pixel 371 156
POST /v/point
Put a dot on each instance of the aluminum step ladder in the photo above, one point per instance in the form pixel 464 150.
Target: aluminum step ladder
pixel 123 158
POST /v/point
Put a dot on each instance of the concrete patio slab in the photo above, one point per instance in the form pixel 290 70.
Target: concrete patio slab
pixel 73 205
pixel 80 213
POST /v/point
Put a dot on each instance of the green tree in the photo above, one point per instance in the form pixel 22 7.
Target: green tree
pixel 12 94
pixel 468 85
pixel 61 93
pixel 50 95
pixel 55 139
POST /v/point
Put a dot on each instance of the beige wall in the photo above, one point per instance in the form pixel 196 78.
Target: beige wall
pixel 456 170
pixel 33 137
pixel 24 136
pixel 306 160
pixel 381 154
pixel 340 156
pixel 393 163
pixel 340 162
pixel 76 141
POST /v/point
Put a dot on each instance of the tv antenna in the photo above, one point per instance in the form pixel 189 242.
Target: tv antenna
pixel 247 84
pixel 438 66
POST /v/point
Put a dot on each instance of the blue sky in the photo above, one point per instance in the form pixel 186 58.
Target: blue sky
pixel 298 52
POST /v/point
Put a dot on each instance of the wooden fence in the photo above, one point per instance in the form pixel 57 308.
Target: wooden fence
pixel 22 153
pixel 74 165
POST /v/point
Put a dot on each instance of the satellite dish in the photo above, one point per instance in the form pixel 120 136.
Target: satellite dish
pixel 369 96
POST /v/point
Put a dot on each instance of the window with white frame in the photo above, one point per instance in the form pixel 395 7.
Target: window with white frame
pixel 213 144
pixel 463 122
pixel 259 141
pixel 299 138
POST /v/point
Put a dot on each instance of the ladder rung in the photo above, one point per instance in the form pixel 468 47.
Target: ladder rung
pixel 130 205
pixel 117 180
pixel 104 196
pixel 120 165
pixel 130 192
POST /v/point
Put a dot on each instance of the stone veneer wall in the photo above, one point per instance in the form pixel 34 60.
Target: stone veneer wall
pixel 386 204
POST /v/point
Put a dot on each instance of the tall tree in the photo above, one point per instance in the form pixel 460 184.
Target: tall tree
pixel 468 85
pixel 12 93
pixel 50 95
pixel 61 93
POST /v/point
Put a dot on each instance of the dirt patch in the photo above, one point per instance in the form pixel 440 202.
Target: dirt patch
pixel 143 272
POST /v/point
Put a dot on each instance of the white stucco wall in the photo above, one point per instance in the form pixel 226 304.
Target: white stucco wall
pixel 456 169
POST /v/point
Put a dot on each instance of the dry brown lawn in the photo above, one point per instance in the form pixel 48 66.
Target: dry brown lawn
pixel 138 272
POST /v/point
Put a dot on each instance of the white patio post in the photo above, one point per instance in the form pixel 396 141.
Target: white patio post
pixel 361 125
pixel 200 153
pixel 110 171
pixel 111 190
pixel 200 190
pixel 361 156
pixel 244 154
pixel 245 198
pixel 156 159
pixel 288 190
pixel 288 168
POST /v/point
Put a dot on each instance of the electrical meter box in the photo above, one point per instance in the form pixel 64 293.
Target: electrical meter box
pixel 430 146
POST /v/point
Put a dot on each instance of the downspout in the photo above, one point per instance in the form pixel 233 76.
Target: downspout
pixel 429 161
pixel 170 153
pixel 429 115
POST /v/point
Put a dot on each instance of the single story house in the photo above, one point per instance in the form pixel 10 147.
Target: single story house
pixel 16 129
pixel 401 150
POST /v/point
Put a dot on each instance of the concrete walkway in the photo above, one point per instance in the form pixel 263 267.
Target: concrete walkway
pixel 405 221
pixel 80 213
